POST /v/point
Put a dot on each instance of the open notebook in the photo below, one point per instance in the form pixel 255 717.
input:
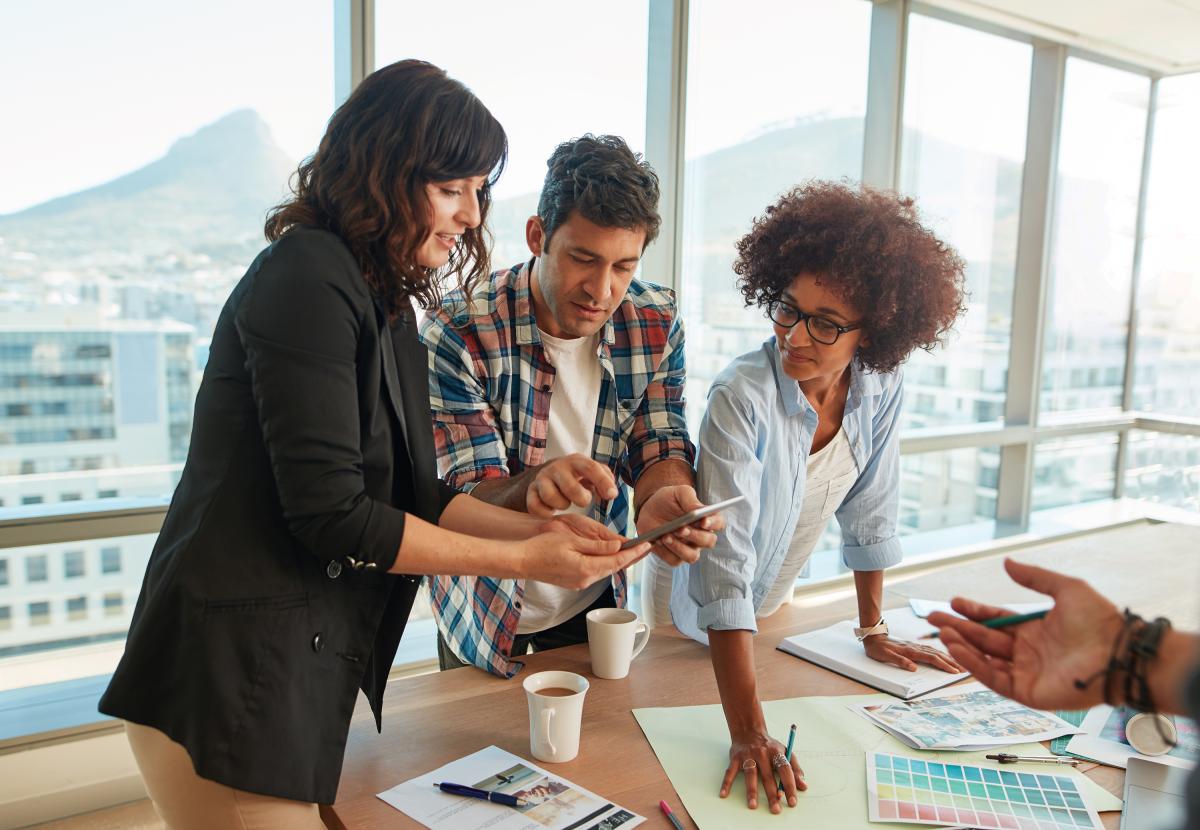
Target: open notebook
pixel 836 649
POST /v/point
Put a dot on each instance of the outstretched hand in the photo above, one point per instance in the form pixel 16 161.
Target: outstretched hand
pixel 1038 662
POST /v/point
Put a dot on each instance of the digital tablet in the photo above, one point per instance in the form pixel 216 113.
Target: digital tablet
pixel 685 519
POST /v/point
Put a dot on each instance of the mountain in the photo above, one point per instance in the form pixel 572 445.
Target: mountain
pixel 210 189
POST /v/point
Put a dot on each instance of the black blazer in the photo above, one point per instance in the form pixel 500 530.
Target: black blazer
pixel 266 603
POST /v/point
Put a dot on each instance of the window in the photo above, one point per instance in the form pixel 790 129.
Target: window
pixel 1164 469
pixel 73 564
pixel 39 613
pixel 3 572
pixel 114 604
pixel 110 560
pixel 77 608
pixel 5 617
pixel 102 339
pixel 963 163
pixel 550 73
pixel 36 568
pixel 947 489
pixel 1095 219
pixel 1074 470
pixel 758 122
pixel 1168 347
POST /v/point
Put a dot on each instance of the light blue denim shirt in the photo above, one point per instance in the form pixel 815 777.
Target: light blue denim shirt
pixel 754 441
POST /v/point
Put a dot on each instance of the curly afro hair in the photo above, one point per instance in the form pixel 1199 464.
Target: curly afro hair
pixel 867 247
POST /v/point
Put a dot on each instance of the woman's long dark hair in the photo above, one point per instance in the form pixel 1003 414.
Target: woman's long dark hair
pixel 405 125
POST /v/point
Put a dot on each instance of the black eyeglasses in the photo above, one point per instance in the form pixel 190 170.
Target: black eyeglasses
pixel 821 329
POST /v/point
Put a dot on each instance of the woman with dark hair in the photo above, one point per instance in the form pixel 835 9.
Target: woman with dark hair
pixel 808 426
pixel 309 507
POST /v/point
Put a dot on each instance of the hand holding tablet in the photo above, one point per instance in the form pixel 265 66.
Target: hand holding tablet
pixel 688 518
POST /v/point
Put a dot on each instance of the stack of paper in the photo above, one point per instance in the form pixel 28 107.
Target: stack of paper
pixel 553 802
pixel 967 717
pixel 836 648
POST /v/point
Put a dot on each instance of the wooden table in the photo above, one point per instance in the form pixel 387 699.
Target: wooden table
pixel 434 719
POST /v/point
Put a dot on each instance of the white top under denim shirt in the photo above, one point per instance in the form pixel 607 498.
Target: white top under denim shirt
pixel 755 441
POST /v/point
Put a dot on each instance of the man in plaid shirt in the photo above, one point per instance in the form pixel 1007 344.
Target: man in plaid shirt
pixel 553 381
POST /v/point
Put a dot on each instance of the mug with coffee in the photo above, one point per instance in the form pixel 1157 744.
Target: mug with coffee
pixel 555 701
pixel 615 637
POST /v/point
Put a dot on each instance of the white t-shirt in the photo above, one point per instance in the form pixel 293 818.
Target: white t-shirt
pixel 573 402
pixel 831 472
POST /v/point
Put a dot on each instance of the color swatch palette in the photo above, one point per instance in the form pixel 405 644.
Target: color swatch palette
pixel 929 792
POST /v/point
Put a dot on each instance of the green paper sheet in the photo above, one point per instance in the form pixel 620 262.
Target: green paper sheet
pixel 692 744
pixel 1059 745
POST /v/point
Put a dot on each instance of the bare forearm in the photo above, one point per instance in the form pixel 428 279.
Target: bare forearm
pixel 1178 656
pixel 665 473
pixel 732 655
pixel 429 549
pixel 869 587
pixel 472 516
pixel 506 492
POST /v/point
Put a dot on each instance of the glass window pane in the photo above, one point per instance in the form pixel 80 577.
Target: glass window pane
pixel 1095 219
pixel 1164 469
pixel 53 587
pixel 949 488
pixel 554 72
pixel 1074 470
pixel 963 162
pixel 134 197
pixel 1168 349
pixel 140 159
pixel 763 115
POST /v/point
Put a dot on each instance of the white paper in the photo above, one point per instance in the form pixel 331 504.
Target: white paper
pixel 556 803
pixel 968 717
pixel 924 607
pixel 1102 739
pixel 836 648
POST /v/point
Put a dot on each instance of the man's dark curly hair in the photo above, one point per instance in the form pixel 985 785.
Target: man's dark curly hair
pixel 605 181
pixel 867 247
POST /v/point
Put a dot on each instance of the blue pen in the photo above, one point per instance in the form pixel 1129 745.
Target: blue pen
pixel 791 742
pixel 487 795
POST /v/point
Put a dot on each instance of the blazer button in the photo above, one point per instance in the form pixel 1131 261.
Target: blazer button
pixel 334 569
pixel 318 642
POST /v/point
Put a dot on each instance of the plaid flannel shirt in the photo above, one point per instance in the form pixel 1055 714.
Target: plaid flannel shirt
pixel 489 388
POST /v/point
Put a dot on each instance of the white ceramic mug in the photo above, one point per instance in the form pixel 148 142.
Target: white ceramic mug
pixel 554 722
pixel 615 637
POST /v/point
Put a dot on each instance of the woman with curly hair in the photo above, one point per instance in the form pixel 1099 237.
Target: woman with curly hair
pixel 309 505
pixel 807 426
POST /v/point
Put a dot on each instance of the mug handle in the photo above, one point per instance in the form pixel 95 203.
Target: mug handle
pixel 547 717
pixel 640 639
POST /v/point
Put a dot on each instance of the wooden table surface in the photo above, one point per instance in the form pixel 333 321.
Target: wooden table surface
pixel 433 719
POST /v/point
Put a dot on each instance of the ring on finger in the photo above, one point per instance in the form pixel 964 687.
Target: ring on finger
pixel 749 764
pixel 779 760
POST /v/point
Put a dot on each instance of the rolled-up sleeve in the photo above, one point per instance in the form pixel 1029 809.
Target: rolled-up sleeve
pixel 868 515
pixel 467 438
pixel 299 327
pixel 659 427
pixel 721 582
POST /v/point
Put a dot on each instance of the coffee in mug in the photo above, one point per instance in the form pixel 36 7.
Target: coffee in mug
pixel 555 701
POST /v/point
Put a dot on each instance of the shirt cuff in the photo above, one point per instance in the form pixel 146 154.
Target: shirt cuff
pixel 727 615
pixel 874 557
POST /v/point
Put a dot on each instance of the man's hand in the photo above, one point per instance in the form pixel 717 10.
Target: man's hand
pixel 685 544
pixel 570 480
pixel 1038 662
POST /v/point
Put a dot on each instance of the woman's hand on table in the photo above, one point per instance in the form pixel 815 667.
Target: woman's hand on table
pixel 906 655
pixel 754 756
